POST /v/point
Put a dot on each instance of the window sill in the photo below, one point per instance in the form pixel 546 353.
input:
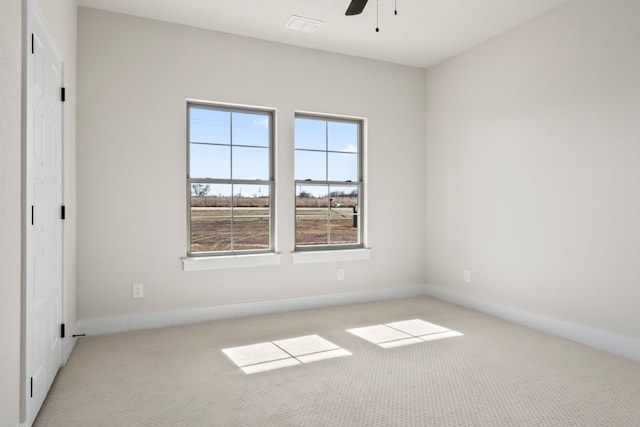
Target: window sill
pixel 304 257
pixel 230 261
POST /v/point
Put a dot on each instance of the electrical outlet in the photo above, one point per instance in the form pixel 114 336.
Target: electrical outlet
pixel 467 276
pixel 138 290
pixel 341 274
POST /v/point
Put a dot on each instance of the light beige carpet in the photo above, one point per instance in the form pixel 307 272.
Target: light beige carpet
pixel 496 374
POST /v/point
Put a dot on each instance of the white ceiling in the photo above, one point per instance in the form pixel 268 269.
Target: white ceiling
pixel 423 33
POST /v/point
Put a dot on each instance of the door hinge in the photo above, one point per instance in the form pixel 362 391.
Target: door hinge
pixel 33 43
pixel 62 330
pixel 31 392
pixel 63 212
pixel 62 94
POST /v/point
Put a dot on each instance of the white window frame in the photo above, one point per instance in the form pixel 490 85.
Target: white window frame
pixel 332 252
pixel 225 259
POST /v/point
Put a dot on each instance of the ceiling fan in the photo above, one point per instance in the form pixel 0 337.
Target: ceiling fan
pixel 356 7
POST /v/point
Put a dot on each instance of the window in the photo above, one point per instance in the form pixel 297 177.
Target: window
pixel 230 179
pixel 328 176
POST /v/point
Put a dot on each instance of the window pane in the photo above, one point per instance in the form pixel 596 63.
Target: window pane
pixel 251 129
pixel 210 229
pixel 209 161
pixel 250 163
pixel 251 196
pixel 311 215
pixel 311 229
pixel 343 217
pixel 206 125
pixel 205 195
pixel 251 217
pixel 343 226
pixel 250 233
pixel 343 167
pixel 199 191
pixel 210 217
pixel 310 165
pixel 220 194
pixel 310 134
pixel 343 196
pixel 343 137
pixel 312 196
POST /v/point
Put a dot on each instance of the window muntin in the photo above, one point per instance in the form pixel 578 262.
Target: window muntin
pixel 328 174
pixel 230 179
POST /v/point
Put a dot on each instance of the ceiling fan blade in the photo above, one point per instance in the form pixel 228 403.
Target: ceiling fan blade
pixel 356 7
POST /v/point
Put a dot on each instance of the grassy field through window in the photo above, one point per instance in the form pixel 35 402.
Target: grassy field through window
pixel 214 220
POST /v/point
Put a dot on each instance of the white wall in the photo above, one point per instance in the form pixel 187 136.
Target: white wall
pixel 10 213
pixel 134 76
pixel 533 161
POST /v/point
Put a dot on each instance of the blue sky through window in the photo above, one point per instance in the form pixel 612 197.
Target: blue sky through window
pixel 235 145
pixel 325 150
pixel 228 145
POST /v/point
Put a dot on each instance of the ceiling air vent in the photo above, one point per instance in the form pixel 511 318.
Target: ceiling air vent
pixel 299 23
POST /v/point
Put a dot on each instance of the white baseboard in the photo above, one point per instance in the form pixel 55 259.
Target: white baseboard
pixel 593 337
pixel 68 344
pixel 106 325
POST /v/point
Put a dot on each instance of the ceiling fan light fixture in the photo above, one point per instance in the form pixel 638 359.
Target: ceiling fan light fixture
pixel 300 23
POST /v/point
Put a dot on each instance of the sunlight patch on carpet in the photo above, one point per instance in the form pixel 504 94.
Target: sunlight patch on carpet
pixel 278 354
pixel 406 332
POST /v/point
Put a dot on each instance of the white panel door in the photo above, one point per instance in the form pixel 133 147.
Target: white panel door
pixel 43 224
